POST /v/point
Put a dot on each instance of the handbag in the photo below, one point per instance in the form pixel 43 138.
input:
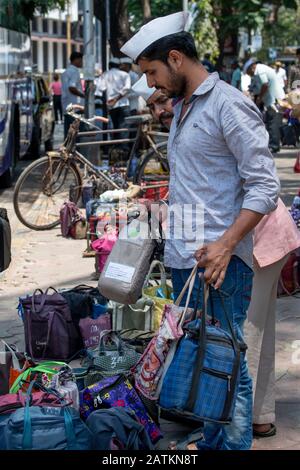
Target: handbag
pixel 49 329
pixel 202 380
pixel 35 427
pixel 138 316
pixel 151 366
pixel 91 329
pixel 82 299
pixel 297 164
pixel 113 356
pixel 161 294
pixel 117 391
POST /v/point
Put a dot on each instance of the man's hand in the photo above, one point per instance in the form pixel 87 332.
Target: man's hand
pixel 214 257
pixel 112 102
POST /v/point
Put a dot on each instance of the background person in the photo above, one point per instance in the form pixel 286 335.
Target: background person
pixel 72 92
pixel 274 238
pixel 268 91
pixel 56 92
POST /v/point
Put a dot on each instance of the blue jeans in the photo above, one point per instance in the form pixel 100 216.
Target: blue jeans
pixel 236 292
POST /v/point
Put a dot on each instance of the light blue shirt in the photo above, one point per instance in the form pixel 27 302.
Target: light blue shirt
pixel 266 75
pixel 70 78
pixel 219 161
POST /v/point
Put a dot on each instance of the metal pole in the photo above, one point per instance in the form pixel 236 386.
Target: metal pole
pixel 185 5
pixel 68 21
pixel 89 58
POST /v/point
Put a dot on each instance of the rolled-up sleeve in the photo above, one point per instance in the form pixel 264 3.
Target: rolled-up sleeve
pixel 247 139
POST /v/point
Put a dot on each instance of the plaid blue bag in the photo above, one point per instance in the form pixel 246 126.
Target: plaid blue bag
pixel 202 380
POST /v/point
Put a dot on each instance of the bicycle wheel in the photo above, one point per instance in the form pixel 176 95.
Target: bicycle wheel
pixel 41 190
pixel 154 166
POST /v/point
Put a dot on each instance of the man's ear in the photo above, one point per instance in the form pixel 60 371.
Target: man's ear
pixel 175 59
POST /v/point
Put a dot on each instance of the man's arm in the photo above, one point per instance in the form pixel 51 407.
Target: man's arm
pixel 247 139
pixel 123 91
pixel 74 91
pixel 263 90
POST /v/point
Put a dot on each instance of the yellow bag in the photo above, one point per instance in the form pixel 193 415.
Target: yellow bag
pixel 155 292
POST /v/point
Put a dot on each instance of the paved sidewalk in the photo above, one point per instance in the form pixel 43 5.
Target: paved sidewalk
pixel 42 259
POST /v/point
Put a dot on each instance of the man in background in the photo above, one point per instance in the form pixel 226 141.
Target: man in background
pixel 236 75
pixel 265 85
pixel 294 73
pixel 281 75
pixel 72 92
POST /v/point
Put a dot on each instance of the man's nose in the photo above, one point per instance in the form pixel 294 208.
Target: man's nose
pixel 150 82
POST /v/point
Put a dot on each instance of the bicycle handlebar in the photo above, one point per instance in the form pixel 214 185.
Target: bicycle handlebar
pixel 71 112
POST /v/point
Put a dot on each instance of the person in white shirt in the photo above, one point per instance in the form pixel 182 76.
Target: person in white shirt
pixel 281 75
pixel 135 103
pixel 117 85
pixel 72 92
pixel 266 86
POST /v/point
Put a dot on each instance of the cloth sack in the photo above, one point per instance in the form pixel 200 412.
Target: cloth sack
pixel 81 300
pixel 123 276
pixel 117 391
pixel 72 222
pixel 289 280
pixel 103 246
pixel 202 380
pixel 118 429
pixel 149 370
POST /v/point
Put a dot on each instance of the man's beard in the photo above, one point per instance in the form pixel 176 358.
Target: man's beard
pixel 164 118
pixel 177 85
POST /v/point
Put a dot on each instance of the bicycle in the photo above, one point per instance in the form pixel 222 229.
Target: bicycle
pixel 48 182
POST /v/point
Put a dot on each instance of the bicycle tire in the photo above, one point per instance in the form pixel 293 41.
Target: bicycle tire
pixel 152 154
pixel 36 193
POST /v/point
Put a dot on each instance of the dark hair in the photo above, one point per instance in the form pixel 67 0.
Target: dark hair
pixel 298 51
pixel 160 49
pixel 56 77
pixel 75 55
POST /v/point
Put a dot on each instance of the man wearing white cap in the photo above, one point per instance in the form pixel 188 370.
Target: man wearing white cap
pixel 220 162
pixel 159 104
pixel 134 101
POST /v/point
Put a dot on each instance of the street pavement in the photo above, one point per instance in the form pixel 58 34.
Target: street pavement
pixel 43 259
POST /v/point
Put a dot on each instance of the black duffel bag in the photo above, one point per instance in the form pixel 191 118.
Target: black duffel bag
pixel 81 299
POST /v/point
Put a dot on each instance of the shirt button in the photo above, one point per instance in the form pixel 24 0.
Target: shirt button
pixel 195 124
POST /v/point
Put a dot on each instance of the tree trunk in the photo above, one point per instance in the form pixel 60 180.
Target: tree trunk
pixel 119 23
pixel 146 9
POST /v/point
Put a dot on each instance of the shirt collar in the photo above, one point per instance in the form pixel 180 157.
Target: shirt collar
pixel 202 89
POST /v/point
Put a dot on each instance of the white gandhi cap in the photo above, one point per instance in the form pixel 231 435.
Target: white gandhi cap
pixel 141 88
pixel 154 30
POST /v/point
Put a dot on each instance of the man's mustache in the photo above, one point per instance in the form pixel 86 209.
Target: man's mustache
pixel 163 117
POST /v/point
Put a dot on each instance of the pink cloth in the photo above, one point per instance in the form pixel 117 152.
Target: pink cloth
pixel 275 236
pixel 56 88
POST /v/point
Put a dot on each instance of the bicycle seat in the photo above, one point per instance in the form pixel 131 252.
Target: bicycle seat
pixel 138 119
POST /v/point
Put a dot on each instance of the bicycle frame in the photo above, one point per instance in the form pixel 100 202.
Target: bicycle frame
pixel 70 145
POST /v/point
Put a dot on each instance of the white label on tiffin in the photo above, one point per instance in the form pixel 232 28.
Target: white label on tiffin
pixel 119 271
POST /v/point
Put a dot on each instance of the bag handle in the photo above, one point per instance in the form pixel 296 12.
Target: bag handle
pixel 190 284
pixel 15 360
pixel 163 279
pixel 43 367
pixel 186 285
pixel 44 298
pixel 27 433
pixel 205 288
pixel 112 335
